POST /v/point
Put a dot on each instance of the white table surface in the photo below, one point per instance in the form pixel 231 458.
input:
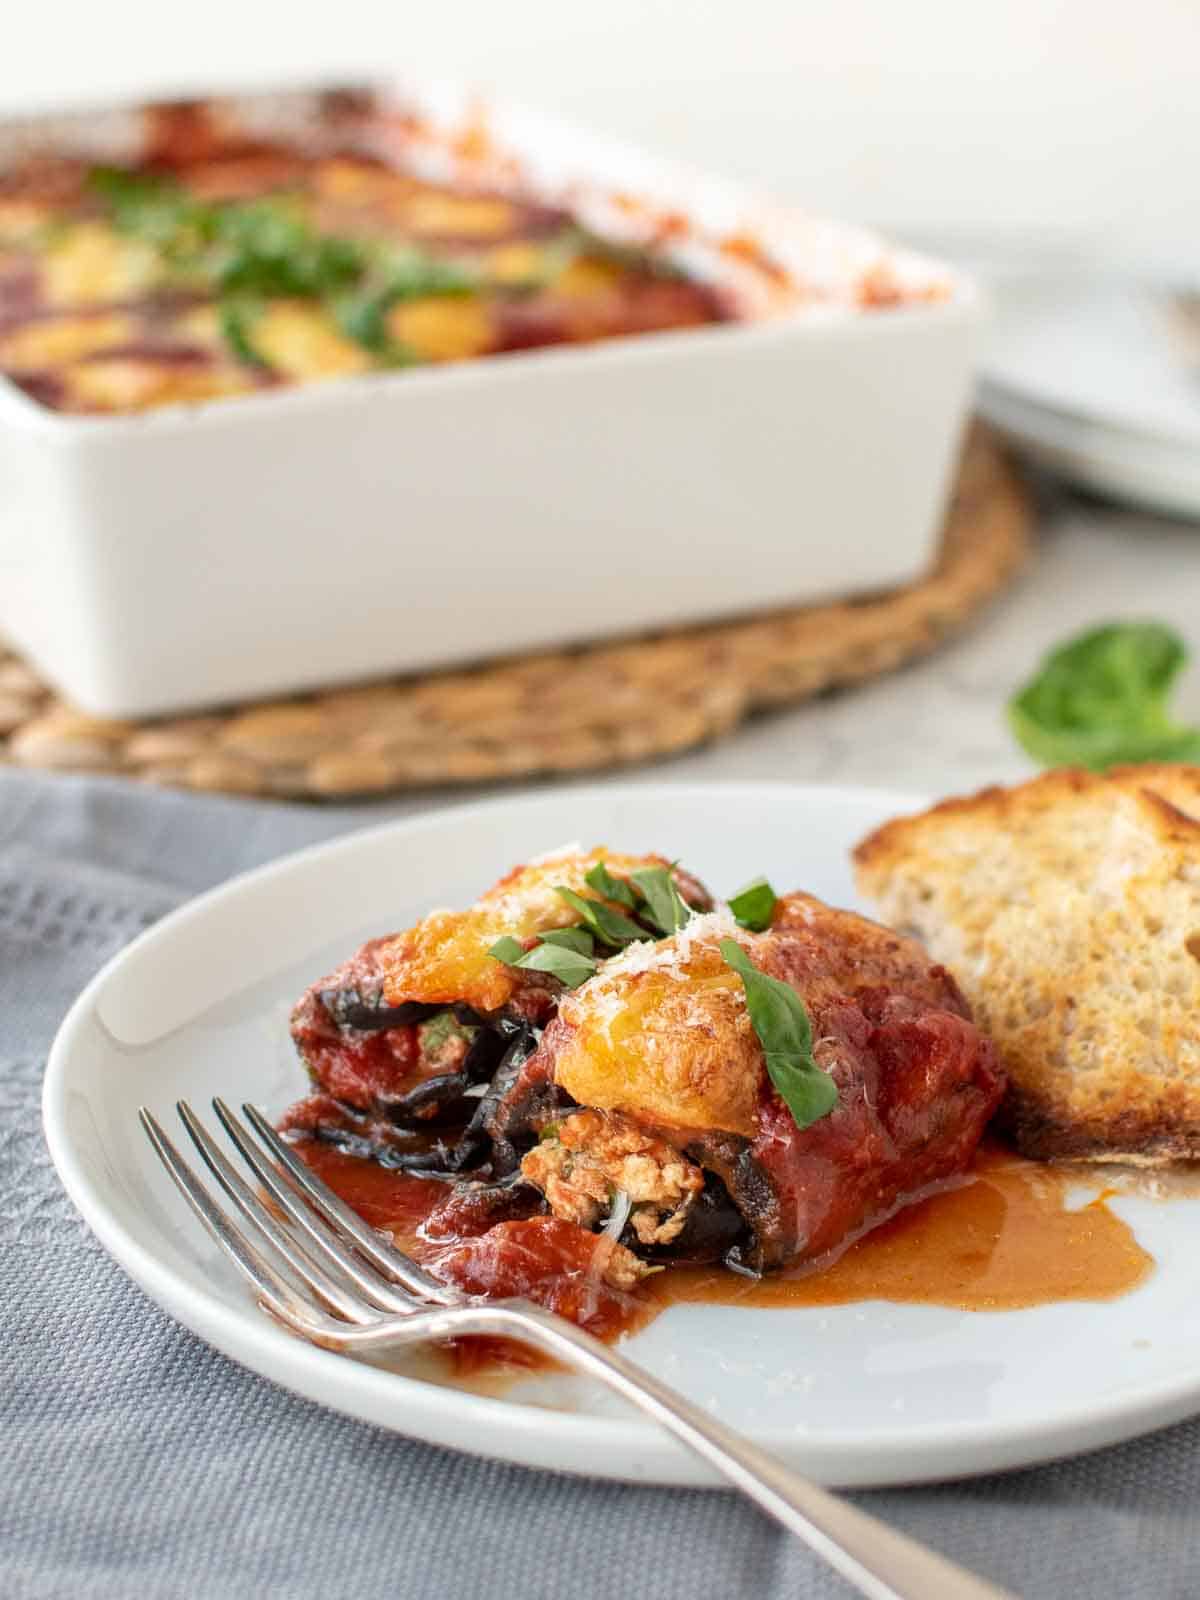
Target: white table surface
pixel 939 726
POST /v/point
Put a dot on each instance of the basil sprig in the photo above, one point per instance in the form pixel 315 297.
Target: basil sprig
pixel 754 905
pixel 268 247
pixel 782 1024
pixel 1101 699
pixel 570 954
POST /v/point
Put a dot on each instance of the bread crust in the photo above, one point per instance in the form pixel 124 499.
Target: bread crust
pixel 1068 908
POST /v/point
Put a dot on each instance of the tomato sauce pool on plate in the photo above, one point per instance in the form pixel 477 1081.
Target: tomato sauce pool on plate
pixel 1011 1236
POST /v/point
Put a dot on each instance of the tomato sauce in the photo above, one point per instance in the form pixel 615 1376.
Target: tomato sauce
pixel 1011 1236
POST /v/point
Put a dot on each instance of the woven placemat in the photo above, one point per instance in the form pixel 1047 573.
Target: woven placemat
pixel 554 712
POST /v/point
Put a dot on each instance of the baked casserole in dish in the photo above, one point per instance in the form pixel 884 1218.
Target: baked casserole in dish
pixel 188 527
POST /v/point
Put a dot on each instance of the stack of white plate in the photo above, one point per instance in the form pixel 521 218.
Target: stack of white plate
pixel 1094 379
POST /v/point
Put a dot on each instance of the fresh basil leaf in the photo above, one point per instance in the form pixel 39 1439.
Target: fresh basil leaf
pixel 1100 699
pixel 754 905
pixel 610 927
pixel 411 274
pixel 269 248
pixel 363 318
pixel 782 1024
pixel 145 203
pixel 616 889
pixel 390 279
pixel 263 247
pixel 664 907
pixel 568 966
pixel 237 319
pixel 577 939
pixel 508 950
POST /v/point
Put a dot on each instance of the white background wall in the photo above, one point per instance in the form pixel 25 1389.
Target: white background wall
pixel 1068 115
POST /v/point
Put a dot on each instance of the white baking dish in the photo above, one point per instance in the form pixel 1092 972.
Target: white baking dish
pixel 309 536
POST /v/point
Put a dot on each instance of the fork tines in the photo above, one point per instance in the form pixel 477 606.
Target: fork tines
pixel 303 1242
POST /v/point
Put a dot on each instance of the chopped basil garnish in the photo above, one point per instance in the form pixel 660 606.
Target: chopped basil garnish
pixel 567 963
pixel 610 927
pixel 269 247
pixel 153 207
pixel 664 906
pixel 363 318
pixel 410 274
pixel 754 905
pixel 782 1024
pixel 577 939
pixel 570 954
pixel 394 277
pixel 568 966
pixel 237 318
pixel 1100 700
pixel 615 889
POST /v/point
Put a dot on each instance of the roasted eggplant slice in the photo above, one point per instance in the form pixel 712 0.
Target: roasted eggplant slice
pixel 366 1011
pixel 714 1230
pixel 435 1002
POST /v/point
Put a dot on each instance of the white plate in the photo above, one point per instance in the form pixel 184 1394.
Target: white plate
pixel 1159 474
pixel 860 1394
pixel 1084 376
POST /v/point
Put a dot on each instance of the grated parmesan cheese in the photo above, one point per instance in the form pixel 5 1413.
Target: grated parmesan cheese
pixel 603 996
pixel 672 955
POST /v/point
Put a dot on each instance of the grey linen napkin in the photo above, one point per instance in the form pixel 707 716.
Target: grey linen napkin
pixel 135 1461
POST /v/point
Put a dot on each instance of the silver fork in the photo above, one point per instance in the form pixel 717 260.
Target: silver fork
pixel 347 1288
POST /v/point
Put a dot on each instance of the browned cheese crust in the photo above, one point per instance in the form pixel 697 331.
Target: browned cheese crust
pixel 1069 909
pixel 664 1034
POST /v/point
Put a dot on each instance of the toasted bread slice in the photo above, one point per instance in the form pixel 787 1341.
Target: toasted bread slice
pixel 1068 908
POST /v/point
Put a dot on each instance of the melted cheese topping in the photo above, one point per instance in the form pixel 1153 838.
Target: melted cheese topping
pixel 132 383
pixel 445 957
pixel 302 341
pixel 442 327
pixel 22 220
pixel 434 211
pixel 54 340
pixel 91 264
pixel 662 1033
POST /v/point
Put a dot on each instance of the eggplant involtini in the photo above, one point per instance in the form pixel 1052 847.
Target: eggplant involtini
pixel 608 1072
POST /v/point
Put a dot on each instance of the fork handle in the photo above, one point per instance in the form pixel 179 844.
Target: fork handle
pixel 878 1561
pixel 881 1563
